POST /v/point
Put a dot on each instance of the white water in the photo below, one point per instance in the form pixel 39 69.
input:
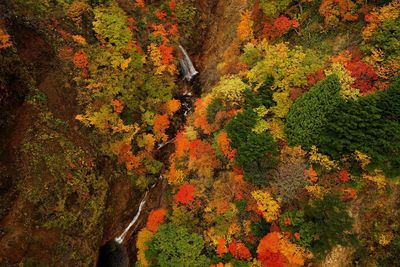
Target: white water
pixel 159 146
pixel 187 66
pixel 121 238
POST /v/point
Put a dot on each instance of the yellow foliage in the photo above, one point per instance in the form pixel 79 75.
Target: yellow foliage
pixel 321 159
pixel 316 191
pixel 362 158
pixel 267 205
pixel 385 238
pixel 390 11
pixel 283 104
pixel 79 39
pixel 144 236
pixel 156 58
pixel 295 255
pixel 376 177
pixel 346 81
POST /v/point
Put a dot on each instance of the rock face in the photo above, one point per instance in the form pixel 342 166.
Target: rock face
pixel 221 18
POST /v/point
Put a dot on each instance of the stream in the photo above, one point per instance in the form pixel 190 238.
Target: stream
pixel 114 252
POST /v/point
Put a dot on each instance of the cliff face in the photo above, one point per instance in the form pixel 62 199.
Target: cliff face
pixel 221 19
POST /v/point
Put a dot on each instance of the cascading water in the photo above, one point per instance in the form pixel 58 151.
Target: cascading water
pixel 121 238
pixel 187 66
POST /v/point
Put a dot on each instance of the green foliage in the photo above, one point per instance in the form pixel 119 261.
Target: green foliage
pixel 263 97
pixel 370 125
pixel 260 228
pixel 110 24
pixel 330 221
pixel 273 8
pixel 250 55
pixel 293 222
pixel 176 246
pixel 213 108
pixel 386 38
pixel 309 114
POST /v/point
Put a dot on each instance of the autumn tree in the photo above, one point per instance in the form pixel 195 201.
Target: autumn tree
pixel 160 124
pixel 185 194
pixel 202 158
pixel 244 30
pixel 155 218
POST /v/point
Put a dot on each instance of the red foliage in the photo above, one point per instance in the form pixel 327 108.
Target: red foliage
pixel 344 176
pixel 239 251
pixel 297 235
pixel 364 73
pixel 268 251
pixel 313 78
pixel 172 5
pixel 155 218
pixel 278 27
pixel 221 247
pixel 166 54
pixel 161 14
pixel 185 194
pixel 80 59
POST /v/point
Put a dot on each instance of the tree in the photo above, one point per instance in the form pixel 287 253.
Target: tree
pixel 202 158
pixel 111 27
pixel 80 59
pixel 230 90
pixel 185 194
pixel 224 145
pixel 308 116
pixel 267 205
pixel 176 246
pixel 155 218
pixel 239 251
pixel 244 30
pixel 143 237
pixel 331 224
pixel 160 124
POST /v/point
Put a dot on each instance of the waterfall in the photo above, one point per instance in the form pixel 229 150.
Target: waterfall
pixel 159 146
pixel 121 238
pixel 187 66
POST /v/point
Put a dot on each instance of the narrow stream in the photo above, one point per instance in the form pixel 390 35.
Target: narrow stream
pixel 114 253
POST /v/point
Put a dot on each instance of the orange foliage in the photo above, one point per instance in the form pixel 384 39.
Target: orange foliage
pixel 224 145
pixel 221 247
pixel 181 145
pixel 140 3
pixel 278 27
pixel 311 174
pixel 275 250
pixel 185 194
pixel 161 123
pixel 172 106
pixel 200 114
pixel 117 105
pixel 4 38
pixel 155 218
pixel 202 158
pixel 332 10
pixel 174 175
pixel 161 14
pixel 172 5
pixel 244 30
pixel 239 251
pixel 80 59
pixel 132 162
